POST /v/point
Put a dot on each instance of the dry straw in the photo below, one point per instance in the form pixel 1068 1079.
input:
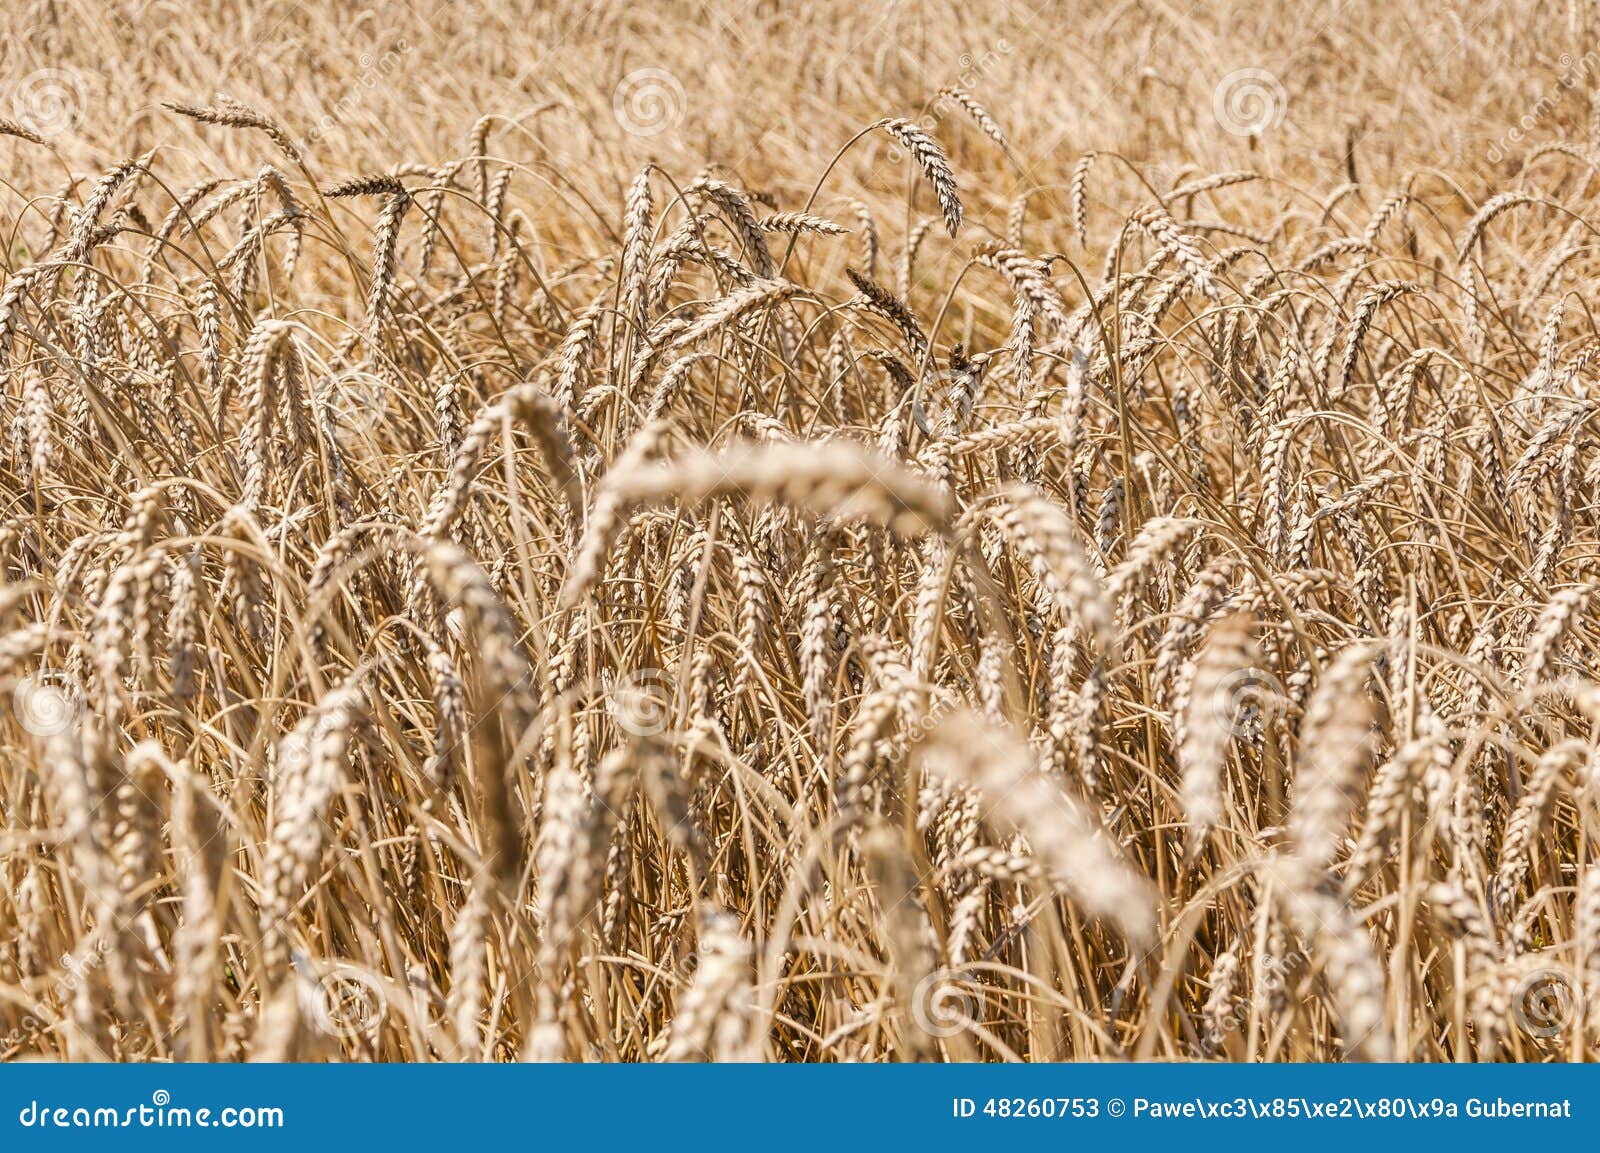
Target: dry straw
pixel 794 608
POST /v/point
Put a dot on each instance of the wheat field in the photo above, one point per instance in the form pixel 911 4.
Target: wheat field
pixel 845 533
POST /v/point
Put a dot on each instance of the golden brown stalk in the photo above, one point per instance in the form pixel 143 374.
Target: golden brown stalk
pixel 232 114
pixel 715 1016
pixel 931 159
pixel 1000 765
pixel 1158 224
pixel 1345 950
pixel 1047 537
pixel 311 764
pixel 835 481
pixel 1335 746
pixel 1217 700
pixel 468 954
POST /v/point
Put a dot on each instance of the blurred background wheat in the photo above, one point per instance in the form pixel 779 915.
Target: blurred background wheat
pixel 837 532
